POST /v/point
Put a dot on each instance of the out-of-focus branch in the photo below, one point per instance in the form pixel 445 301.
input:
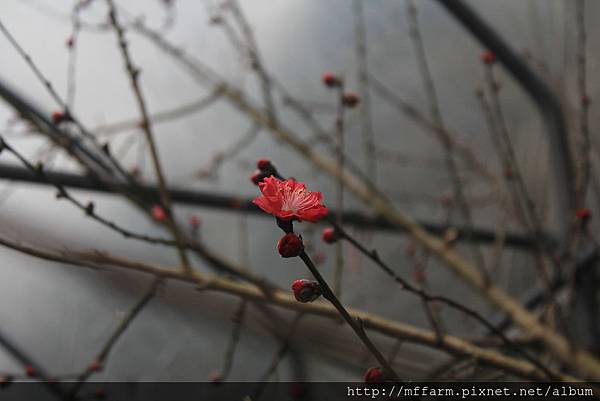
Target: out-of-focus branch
pixel 543 97
pixel 450 344
pixel 245 205
pixel 161 116
pixel 360 31
pixel 442 134
pixel 116 334
pixel 133 74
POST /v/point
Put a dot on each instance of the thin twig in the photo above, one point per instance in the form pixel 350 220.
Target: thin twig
pixel 133 74
pixel 104 352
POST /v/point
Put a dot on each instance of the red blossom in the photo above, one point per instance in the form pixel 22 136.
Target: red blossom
pixel 488 57
pixel 306 290
pixel 290 245
pixel 350 99
pixel 329 235
pixel 158 213
pixel 330 80
pixel 373 375
pixel 289 199
pixel 583 214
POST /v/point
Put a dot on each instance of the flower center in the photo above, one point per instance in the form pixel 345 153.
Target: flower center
pixel 294 200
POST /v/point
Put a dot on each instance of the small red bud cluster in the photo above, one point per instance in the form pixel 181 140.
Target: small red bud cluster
pixel 373 375
pixel 95 366
pixel 350 99
pixel 30 371
pixel 159 213
pixel 306 290
pixel 583 214
pixel 290 245
pixel 330 80
pixel 330 235
pixel 264 169
pixel 59 117
pixel 487 57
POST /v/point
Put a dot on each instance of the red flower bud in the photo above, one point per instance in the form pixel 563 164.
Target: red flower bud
pixel 583 214
pixel 158 213
pixel 330 80
pixel 290 245
pixel 306 290
pixel 195 222
pixel 58 117
pixel 330 235
pixel 374 375
pixel 30 371
pixel 350 99
pixel 95 366
pixel 257 177
pixel 488 57
pixel 264 164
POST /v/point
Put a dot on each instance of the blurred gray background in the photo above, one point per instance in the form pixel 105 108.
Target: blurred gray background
pixel 62 314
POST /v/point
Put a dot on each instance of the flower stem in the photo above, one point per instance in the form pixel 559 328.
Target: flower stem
pixel 354 324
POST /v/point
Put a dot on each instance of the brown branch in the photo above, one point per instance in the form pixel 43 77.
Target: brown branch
pixel 364 91
pixel 450 344
pixel 581 361
pixel 102 355
pixel 442 134
pixel 133 74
